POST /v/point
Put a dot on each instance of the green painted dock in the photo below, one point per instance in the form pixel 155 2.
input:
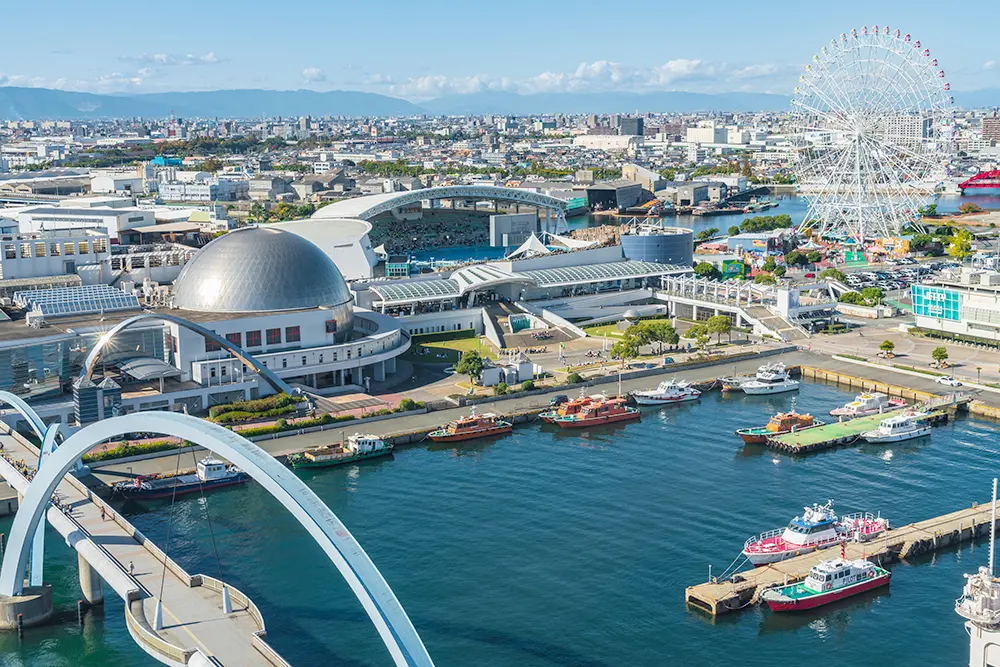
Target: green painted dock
pixel 840 433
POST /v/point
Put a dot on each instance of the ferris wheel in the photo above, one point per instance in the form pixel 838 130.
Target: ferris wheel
pixel 871 133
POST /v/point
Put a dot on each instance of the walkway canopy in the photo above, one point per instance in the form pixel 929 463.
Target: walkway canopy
pixel 369 206
pixel 532 247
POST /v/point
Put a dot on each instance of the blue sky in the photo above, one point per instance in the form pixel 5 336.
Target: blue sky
pixel 420 49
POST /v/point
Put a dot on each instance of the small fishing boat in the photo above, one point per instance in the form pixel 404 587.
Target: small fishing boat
pixel 209 474
pixel 868 403
pixel 779 424
pixel 570 407
pixel 906 426
pixel 828 581
pixel 770 379
pixel 473 426
pixel 358 447
pixel 818 528
pixel 670 391
pixel 606 411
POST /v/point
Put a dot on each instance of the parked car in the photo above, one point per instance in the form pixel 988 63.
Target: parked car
pixel 558 399
pixel 949 381
pixel 810 275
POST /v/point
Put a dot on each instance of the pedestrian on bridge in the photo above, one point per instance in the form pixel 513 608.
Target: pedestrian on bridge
pixel 102 513
pixel 131 568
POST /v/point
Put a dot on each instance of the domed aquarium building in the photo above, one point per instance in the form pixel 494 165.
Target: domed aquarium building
pixel 255 311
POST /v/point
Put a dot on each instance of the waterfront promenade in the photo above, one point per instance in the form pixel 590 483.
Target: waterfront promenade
pixel 193 618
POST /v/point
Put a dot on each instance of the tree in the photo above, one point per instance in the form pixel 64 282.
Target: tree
pixel 795 257
pixel 661 332
pixel 887 346
pixel 769 264
pixel 706 234
pixel 872 295
pixel 780 272
pixel 625 350
pixel 696 330
pixel 928 211
pixel 961 245
pixel 734 230
pixel 850 297
pixel 500 389
pixel 969 207
pixel 764 279
pixel 833 274
pixel 528 385
pixel 470 364
pixel 813 256
pixel 940 355
pixel 719 325
pixel 921 241
pixel 707 270
pixel 574 378
pixel 258 214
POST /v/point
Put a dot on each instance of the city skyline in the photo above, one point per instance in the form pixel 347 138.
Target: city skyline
pixel 450 49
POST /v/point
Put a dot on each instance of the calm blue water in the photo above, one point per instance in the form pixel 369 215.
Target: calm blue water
pixel 549 549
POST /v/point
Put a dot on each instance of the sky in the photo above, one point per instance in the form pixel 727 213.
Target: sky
pixel 422 49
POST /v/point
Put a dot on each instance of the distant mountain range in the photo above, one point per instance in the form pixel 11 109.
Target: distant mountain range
pixel 37 103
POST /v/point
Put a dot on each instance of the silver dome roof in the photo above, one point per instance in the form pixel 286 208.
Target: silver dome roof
pixel 258 269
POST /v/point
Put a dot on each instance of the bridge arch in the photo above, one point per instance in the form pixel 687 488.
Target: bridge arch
pixel 277 383
pixel 26 411
pixel 368 207
pixel 371 589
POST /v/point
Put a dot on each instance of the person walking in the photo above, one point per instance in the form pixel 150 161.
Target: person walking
pixel 131 568
pixel 102 513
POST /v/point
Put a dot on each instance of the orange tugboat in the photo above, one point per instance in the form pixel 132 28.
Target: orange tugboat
pixel 781 423
pixel 607 411
pixel 569 408
pixel 473 426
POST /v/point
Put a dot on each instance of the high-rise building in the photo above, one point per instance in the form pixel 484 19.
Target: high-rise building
pixel 631 126
pixel 991 128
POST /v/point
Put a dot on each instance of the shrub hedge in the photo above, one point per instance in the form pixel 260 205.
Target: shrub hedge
pixel 129 449
pixel 258 405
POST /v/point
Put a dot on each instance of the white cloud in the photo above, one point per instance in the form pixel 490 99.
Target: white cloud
pixel 173 60
pixel 989 64
pixel 601 76
pixel 313 74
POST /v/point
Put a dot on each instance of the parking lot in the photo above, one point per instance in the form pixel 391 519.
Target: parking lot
pixel 903 273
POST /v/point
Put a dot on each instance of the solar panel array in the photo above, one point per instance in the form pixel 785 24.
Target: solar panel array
pixel 415 290
pixel 81 300
pixel 574 275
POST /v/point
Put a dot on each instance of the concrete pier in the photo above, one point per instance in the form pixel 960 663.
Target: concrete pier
pixel 91 584
pixel 34 606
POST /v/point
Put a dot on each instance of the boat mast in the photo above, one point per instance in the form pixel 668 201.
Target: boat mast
pixel 993 525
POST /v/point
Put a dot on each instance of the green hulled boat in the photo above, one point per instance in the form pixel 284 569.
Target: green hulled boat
pixel 357 448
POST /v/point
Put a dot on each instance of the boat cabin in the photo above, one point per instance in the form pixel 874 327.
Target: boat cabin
pixel 838 573
pixel 209 469
pixel 817 524
pixel 365 444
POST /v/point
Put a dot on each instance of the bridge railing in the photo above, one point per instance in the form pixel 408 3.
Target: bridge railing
pixel 144 636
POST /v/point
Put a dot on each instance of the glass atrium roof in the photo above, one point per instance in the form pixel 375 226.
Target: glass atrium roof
pixel 81 300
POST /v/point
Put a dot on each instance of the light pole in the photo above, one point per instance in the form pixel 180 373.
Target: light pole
pixel 978 371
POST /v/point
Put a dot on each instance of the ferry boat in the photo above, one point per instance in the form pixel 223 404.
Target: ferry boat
pixel 209 474
pixel 606 411
pixel 779 424
pixel 473 426
pixel 817 528
pixel 902 427
pixel 357 448
pixel 570 407
pixel 770 379
pixel 828 581
pixel 868 403
pixel 670 391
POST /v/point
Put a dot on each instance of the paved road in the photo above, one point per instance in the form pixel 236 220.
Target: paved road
pixel 192 617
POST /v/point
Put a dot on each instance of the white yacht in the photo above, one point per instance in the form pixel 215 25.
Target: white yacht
pixel 898 428
pixel 868 403
pixel 770 379
pixel 670 391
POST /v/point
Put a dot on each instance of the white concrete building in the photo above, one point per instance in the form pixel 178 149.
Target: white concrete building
pixel 32 219
pixel 51 253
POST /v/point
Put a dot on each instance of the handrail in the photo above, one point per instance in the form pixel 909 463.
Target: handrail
pixel 238 597
pixel 142 635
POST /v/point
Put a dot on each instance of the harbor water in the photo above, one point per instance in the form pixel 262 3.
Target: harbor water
pixel 548 548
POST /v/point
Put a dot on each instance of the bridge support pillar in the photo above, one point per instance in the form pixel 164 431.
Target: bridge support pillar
pixel 91 584
pixel 34 605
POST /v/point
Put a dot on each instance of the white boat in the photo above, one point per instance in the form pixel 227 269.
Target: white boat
pixel 770 379
pixel 868 403
pixel 898 428
pixel 670 391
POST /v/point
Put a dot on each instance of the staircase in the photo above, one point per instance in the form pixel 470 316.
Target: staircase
pixel 776 324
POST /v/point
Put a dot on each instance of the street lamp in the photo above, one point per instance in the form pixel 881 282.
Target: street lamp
pixel 978 371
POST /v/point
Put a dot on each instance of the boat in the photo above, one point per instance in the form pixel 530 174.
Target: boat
pixel 607 411
pixel 828 581
pixel 779 424
pixel 770 379
pixel 818 528
pixel 868 403
pixel 734 382
pixel 906 426
pixel 209 474
pixel 570 407
pixel 670 391
pixel 473 426
pixel 357 448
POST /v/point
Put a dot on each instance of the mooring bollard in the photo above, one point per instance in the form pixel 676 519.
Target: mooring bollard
pixel 79 612
pixel 2 542
pixel 20 626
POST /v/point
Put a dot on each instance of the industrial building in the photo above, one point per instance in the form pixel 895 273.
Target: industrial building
pixel 657 243
pixel 960 304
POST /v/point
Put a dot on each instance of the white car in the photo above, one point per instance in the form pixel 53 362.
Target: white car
pixel 948 380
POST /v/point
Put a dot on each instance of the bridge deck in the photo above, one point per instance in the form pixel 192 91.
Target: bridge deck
pixel 192 616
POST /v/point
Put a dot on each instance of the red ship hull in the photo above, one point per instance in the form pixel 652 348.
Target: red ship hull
pixel 597 421
pixel 469 435
pixel 821 599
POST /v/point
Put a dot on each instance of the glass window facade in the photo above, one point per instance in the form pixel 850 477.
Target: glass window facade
pixel 253 339
pixel 937 302
pixel 274 336
pixel 292 335
pixel 235 338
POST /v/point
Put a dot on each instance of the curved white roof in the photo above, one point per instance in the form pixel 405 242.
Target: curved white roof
pixel 371 205
pixel 344 240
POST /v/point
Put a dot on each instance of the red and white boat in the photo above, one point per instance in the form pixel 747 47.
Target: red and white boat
pixel 817 528
pixel 600 412
pixel 828 581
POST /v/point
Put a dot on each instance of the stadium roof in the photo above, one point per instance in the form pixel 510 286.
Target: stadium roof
pixel 484 276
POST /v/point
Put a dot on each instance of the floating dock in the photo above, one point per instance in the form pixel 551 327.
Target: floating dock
pixel 842 433
pixel 745 587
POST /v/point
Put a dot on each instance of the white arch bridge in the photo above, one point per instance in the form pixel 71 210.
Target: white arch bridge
pixel 187 620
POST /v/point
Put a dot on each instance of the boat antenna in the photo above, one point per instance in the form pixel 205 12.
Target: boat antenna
pixel 993 525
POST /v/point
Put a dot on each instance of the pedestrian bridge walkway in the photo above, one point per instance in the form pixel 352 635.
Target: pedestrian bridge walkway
pixel 195 630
